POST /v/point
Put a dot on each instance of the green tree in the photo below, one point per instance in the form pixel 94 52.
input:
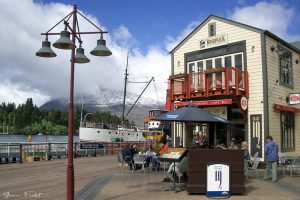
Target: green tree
pixel 28 119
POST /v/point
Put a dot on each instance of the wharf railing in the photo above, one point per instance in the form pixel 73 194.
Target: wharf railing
pixel 33 151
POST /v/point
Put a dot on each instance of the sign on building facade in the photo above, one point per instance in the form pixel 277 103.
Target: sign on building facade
pixel 221 111
pixel 294 99
pixel 256 134
pixel 213 41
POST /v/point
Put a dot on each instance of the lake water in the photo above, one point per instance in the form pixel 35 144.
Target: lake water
pixel 36 138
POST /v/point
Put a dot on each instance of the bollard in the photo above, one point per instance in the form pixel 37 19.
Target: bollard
pixel 21 153
pixel 49 151
pixel 95 153
pixel 75 150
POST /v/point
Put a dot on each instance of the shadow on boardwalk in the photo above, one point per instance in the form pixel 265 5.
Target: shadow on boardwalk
pixel 101 178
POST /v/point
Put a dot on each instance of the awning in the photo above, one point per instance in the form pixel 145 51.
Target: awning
pixel 191 113
pixel 285 108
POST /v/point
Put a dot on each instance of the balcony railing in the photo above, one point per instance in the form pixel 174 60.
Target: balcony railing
pixel 213 82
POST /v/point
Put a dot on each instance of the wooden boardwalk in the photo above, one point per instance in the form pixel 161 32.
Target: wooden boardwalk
pixel 48 178
pixel 101 178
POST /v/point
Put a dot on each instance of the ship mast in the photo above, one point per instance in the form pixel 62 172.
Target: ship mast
pixel 152 79
pixel 125 88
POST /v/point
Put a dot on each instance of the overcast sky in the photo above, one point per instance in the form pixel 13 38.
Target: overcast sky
pixel 147 29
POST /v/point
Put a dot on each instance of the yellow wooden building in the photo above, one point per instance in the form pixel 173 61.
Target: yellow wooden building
pixel 246 75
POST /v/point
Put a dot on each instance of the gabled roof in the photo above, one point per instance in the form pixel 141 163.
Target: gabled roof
pixel 220 19
pixel 266 32
pixel 296 44
pixel 245 26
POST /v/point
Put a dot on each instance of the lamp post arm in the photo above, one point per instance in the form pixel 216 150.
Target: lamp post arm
pixel 82 33
pixel 47 33
pixel 90 22
pixel 74 31
pixel 74 13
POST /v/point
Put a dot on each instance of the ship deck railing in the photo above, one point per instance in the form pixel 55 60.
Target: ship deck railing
pixel 107 126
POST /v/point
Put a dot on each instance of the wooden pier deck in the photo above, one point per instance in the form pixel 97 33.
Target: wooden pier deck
pixel 101 178
pixel 49 177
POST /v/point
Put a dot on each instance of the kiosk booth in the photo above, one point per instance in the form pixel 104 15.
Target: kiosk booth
pixel 200 159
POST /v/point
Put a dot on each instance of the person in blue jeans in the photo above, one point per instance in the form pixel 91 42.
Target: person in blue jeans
pixel 246 157
pixel 155 159
pixel 271 151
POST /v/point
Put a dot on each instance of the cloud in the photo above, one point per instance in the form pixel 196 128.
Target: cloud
pixel 16 94
pixel 261 15
pixel 172 42
pixel 274 16
pixel 24 75
pixel 123 37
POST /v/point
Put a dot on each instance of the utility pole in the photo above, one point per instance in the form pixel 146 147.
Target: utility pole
pixel 125 88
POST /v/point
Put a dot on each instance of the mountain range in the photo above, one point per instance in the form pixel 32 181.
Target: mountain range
pixel 109 100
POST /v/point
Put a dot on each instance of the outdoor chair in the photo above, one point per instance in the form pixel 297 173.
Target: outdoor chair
pixel 124 161
pixel 139 159
pixel 282 162
pixel 162 163
pixel 255 155
pixel 121 161
pixel 293 165
pixel 253 167
pixel 251 160
pixel 177 173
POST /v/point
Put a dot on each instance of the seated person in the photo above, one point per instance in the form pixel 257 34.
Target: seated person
pixel 133 149
pixel 149 154
pixel 180 167
pixel 127 154
pixel 163 139
pixel 195 142
pixel 155 159
pixel 232 145
pixel 221 146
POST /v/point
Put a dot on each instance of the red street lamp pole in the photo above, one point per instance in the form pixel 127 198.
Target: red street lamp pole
pixel 65 43
pixel 70 166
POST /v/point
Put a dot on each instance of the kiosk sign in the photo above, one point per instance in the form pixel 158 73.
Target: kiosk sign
pixel 218 180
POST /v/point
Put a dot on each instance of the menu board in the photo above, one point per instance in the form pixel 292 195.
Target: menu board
pixel 173 154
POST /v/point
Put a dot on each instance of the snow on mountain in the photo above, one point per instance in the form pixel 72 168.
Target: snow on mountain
pixel 108 100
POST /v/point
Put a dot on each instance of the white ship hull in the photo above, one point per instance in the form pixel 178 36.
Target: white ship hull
pixel 108 135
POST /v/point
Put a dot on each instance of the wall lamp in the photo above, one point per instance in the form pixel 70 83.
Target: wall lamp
pixel 278 49
pixel 281 51
pixel 273 48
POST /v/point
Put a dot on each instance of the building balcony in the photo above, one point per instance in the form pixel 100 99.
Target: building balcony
pixel 218 82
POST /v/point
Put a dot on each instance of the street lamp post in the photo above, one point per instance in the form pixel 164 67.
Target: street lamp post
pixel 64 42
